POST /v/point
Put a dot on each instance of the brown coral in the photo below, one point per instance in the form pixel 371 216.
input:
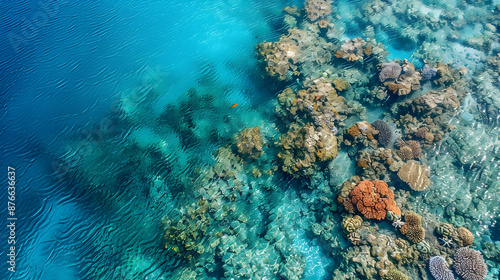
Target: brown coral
pixel 316 9
pixel 406 82
pixel 249 143
pixel 409 149
pixel 416 175
pixel 465 237
pixel 374 199
pixel 302 146
pixel 412 228
pixel 354 49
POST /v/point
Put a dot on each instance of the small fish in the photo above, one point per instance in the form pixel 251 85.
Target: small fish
pixel 315 107
pixel 234 105
pixel 318 97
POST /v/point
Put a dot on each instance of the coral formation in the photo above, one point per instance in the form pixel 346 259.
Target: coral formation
pixel 469 264
pixel 250 142
pixel 390 70
pixel 385 135
pixel 361 134
pixel 416 175
pixel 304 146
pixel 395 274
pixel 412 228
pixel 404 83
pixel 317 9
pixel 358 49
pixel 374 199
pixel 351 224
pixel 184 234
pixel 409 149
pixel 461 236
pixel 375 164
pixel 298 47
pixel 439 268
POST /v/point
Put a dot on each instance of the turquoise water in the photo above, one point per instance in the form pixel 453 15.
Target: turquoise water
pixel 160 140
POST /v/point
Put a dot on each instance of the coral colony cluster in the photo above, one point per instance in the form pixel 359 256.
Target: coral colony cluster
pixel 322 187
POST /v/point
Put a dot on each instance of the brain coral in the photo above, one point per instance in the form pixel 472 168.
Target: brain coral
pixel 416 175
pixel 412 228
pixel 469 264
pixel 439 268
pixel 374 199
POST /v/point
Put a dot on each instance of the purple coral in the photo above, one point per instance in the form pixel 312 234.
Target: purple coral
pixel 384 133
pixel 469 264
pixel 439 268
pixel 428 72
pixel 390 70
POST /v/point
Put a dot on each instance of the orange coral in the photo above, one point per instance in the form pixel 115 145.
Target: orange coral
pixel 373 199
pixel 353 131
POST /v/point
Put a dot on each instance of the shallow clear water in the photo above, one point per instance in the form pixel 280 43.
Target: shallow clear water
pixel 124 127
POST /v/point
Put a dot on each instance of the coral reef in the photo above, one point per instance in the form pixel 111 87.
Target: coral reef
pixel 304 146
pixel 439 268
pixel 317 9
pixel 318 103
pixel 409 149
pixel 404 83
pixel 375 164
pixel 374 199
pixel 250 142
pixel 298 48
pixel 358 49
pixel 412 228
pixel 184 234
pixel 362 134
pixel 469 264
pixel 416 175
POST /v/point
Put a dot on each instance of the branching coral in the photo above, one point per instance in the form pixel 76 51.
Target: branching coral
pixel 439 269
pixel 469 264
pixel 374 199
pixel 416 175
pixel 412 228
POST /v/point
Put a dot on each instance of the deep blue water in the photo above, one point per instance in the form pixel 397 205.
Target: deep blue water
pixel 64 65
